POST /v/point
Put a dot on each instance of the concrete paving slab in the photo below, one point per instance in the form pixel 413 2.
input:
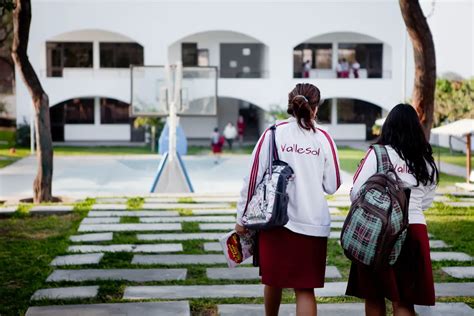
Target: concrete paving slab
pixel 128 227
pixel 64 293
pixel 132 213
pixel 212 246
pixel 214 212
pixel 330 289
pixel 244 273
pixel 112 200
pixel 343 309
pixel 109 207
pixel 134 275
pixel 454 289
pixel 339 203
pixel 52 209
pixel 179 259
pixel 445 309
pixel 9 210
pixel 460 272
pixel 334 235
pixel 123 309
pixel 164 206
pixel 180 219
pixel 90 258
pixel 92 237
pixel 437 244
pixel 338 218
pixel 128 248
pixel 101 220
pixel 186 236
pixel 442 198
pixel 449 255
pixel 460 204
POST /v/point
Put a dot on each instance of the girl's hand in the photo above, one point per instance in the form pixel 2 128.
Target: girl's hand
pixel 241 230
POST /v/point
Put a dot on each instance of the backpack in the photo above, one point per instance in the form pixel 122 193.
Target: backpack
pixel 268 205
pixel 376 226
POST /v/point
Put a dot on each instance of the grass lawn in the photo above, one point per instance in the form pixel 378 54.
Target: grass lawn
pixel 7 158
pixel 456 158
pixel 28 244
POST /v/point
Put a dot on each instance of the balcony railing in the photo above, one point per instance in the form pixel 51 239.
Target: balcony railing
pixel 96 73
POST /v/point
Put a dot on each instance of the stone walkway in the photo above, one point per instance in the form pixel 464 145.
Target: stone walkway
pixel 157 253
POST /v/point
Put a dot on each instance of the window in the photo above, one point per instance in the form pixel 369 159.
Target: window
pixel 358 112
pixel 369 56
pixel 79 111
pixel 189 54
pixel 67 55
pixel 241 60
pixel 114 112
pixel 120 55
pixel 324 112
pixel 318 55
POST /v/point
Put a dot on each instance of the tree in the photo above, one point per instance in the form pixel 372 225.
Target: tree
pixel 454 100
pixel 425 61
pixel 42 186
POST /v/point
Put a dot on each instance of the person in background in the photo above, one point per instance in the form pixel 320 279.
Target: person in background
pixel 339 69
pixel 241 129
pixel 230 133
pixel 410 281
pixel 217 142
pixel 355 68
pixel 345 68
pixel 306 69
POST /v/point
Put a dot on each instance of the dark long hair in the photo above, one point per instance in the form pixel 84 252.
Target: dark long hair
pixel 302 103
pixel 403 132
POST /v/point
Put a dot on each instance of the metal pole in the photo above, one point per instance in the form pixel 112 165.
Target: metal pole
pixel 173 117
pixel 468 157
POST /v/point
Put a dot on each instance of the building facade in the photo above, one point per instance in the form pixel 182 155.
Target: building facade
pixel 354 51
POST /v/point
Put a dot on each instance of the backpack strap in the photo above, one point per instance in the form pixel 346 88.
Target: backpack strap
pixel 272 150
pixel 383 159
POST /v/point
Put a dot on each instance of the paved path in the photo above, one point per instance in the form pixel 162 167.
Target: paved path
pixel 110 175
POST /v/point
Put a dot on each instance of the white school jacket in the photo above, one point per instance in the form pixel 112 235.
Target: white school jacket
pixel 421 196
pixel 313 158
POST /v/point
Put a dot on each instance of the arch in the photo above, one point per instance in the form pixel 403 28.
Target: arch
pixel 322 36
pixel 86 33
pixel 183 36
pixel 88 96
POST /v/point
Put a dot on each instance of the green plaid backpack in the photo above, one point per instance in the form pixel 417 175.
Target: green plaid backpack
pixel 376 226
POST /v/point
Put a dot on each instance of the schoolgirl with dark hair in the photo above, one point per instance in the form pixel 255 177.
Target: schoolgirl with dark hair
pixel 294 256
pixel 410 281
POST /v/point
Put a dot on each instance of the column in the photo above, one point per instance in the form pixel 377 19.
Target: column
pixel 334 55
pixel 97 111
pixel 96 55
pixel 333 111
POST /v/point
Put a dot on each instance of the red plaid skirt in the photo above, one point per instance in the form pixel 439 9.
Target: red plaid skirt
pixel 291 260
pixel 410 280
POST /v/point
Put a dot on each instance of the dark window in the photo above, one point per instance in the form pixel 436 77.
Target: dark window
pixel 189 54
pixel 120 55
pixel 67 55
pixel 79 111
pixel 114 112
pixel 242 61
pixel 7 77
pixel 369 56
pixel 358 112
pixel 324 112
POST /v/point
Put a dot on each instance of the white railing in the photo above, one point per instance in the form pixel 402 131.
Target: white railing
pixel 100 73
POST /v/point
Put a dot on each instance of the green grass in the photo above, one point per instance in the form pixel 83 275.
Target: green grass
pixel 456 157
pixel 101 150
pixel 7 157
pixel 27 246
pixel 206 150
pixel 186 200
pixel 350 158
pixel 135 203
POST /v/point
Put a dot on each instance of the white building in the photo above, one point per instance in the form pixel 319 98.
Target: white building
pixel 82 49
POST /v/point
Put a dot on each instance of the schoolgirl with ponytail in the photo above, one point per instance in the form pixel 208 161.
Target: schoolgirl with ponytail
pixel 294 256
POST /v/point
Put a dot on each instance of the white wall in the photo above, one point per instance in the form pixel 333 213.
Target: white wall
pixel 104 132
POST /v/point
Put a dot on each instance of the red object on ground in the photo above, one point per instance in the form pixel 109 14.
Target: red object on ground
pixel 291 260
pixel 410 280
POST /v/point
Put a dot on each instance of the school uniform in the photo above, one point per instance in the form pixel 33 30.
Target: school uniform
pixel 410 280
pixel 294 256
